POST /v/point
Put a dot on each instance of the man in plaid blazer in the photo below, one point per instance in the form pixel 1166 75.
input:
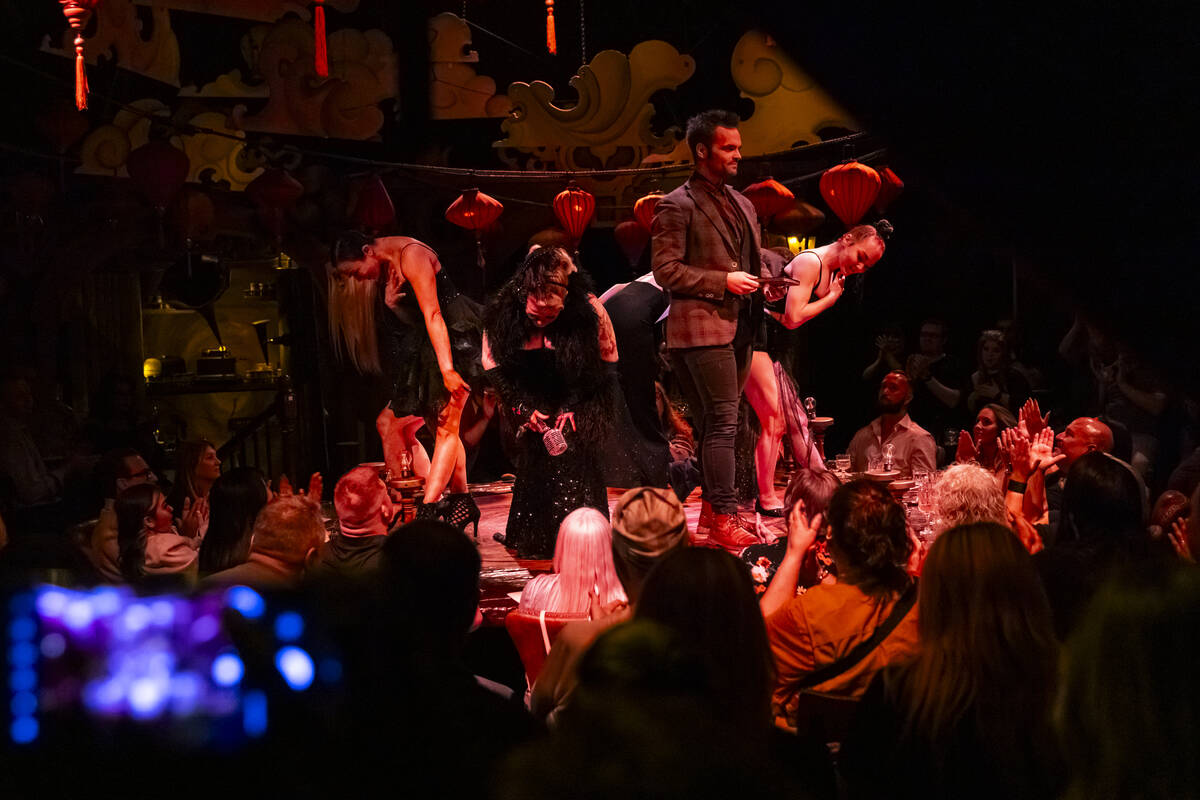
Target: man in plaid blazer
pixel 705 253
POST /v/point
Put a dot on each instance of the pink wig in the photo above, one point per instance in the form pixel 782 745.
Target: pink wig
pixel 582 562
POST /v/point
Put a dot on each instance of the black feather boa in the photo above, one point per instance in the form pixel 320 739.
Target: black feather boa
pixel 575 335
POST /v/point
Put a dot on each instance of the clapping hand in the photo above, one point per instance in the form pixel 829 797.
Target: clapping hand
pixel 967 451
pixel 194 522
pixel 563 419
pixel 312 495
pixel 1031 418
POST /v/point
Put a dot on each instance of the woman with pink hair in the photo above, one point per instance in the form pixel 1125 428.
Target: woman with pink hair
pixel 583 565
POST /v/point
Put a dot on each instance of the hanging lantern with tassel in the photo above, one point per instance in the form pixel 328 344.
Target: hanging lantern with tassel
pixel 574 208
pixel 274 191
pixel 320 50
pixel 373 209
pixel 551 40
pixel 799 220
pixel 475 211
pixel 890 187
pixel 643 209
pixel 159 170
pixel 632 238
pixel 850 189
pixel 769 197
pixel 77 13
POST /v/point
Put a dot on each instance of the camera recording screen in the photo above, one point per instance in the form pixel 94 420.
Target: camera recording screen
pixel 167 661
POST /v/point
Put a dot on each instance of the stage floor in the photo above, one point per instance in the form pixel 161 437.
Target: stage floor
pixel 503 573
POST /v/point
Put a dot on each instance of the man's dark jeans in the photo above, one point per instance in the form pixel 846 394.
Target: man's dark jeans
pixel 712 379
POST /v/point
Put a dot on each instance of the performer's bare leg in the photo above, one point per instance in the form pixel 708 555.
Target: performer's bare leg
pixel 416 451
pixel 446 449
pixel 762 392
pixel 458 481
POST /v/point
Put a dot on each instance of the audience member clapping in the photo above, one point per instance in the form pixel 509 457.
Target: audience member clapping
pixel 970 716
pixel 150 544
pixel 994 380
pixel 812 634
pixel 583 569
pixel 235 500
pixel 981 445
pixel 197 468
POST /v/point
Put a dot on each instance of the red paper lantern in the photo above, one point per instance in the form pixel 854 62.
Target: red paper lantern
pixel 850 189
pixel 373 209
pixel 193 214
pixel 632 239
pixel 890 187
pixel 799 220
pixel 159 170
pixel 574 208
pixel 77 13
pixel 550 237
pixel 274 191
pixel 320 53
pixel 62 125
pixel 770 197
pixel 475 211
pixel 644 208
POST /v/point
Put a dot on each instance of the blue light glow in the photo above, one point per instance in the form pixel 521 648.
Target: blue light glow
pixel 78 614
pixel 227 669
pixel 51 602
pixel 289 626
pixel 54 645
pixel 106 601
pixel 22 628
pixel 331 670
pixel 296 667
pixel 205 628
pixel 21 604
pixel 135 619
pixel 22 654
pixel 104 696
pixel 254 713
pixel 162 613
pixel 186 688
pixel 147 696
pixel 248 602
pixel 23 704
pixel 24 730
pixel 22 680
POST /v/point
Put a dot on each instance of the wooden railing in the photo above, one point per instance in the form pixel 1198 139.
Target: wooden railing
pixel 270 440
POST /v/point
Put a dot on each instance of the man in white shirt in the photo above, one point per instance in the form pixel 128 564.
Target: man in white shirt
pixel 913 446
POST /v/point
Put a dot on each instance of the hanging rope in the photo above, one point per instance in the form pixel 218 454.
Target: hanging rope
pixel 582 35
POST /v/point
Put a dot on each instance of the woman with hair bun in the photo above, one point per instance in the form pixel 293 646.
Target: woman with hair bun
pixel 814 635
pixel 393 312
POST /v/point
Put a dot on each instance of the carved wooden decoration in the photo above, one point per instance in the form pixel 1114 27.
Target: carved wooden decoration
pixel 608 126
pixel 214 158
pixel 119 35
pixel 105 149
pixel 789 107
pixel 455 90
pixel 261 10
pixel 345 106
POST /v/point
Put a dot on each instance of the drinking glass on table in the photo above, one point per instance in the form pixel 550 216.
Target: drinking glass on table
pixel 841 462
pixel 920 477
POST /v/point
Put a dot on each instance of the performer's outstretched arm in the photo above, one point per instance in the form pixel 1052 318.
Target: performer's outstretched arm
pixel 420 270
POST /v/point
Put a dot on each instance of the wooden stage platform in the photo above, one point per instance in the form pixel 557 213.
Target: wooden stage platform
pixel 503 573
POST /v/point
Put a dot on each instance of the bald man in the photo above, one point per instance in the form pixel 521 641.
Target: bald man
pixel 1083 435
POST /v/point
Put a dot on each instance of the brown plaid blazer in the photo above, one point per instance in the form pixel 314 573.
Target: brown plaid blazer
pixel 691 257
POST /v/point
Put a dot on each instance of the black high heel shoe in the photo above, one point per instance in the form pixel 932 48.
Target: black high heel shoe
pixel 460 510
pixel 768 512
pixel 428 510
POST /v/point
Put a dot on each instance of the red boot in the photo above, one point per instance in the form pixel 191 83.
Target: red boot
pixel 727 532
pixel 704 525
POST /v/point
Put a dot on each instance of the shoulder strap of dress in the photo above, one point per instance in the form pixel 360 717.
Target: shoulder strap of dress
pixel 427 247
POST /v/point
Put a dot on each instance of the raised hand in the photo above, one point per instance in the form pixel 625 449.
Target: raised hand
pixel 1179 540
pixel 1016 444
pixel 537 421
pixel 1031 418
pixel 967 452
pixel 194 523
pixel 564 418
pixel 1041 449
pixel 802 531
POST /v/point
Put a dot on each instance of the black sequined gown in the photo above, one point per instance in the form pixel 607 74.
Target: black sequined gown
pixel 548 487
pixel 409 363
